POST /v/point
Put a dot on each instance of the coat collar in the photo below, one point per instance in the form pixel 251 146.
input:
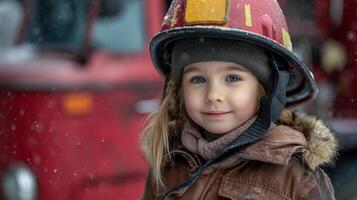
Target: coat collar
pixel 297 134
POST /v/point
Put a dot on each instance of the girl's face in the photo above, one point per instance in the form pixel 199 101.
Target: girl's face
pixel 220 96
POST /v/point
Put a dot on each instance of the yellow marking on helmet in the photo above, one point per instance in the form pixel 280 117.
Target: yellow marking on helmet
pixel 287 40
pixel 248 15
pixel 174 18
pixel 206 12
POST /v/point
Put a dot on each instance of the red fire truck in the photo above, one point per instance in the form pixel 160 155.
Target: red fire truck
pixel 76 83
pixel 325 34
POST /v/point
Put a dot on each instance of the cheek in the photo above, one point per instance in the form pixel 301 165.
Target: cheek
pixel 191 100
pixel 247 101
pixel 256 98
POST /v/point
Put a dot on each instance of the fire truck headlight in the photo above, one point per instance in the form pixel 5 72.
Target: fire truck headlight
pixel 19 183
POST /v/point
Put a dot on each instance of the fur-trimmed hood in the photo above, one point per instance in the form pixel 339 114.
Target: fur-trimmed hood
pixel 297 134
pixel 321 147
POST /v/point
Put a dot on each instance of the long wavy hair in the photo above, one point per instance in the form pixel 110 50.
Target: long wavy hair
pixel 163 128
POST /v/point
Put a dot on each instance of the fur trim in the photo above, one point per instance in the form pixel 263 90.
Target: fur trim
pixel 321 143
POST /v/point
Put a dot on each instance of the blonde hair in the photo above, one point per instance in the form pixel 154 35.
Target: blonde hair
pixel 163 127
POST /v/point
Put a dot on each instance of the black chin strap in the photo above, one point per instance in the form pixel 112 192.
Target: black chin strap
pixel 281 81
pixel 254 133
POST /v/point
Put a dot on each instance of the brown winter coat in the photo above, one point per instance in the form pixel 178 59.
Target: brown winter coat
pixel 283 165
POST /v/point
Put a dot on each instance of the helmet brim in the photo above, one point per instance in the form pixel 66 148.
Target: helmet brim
pixel 301 87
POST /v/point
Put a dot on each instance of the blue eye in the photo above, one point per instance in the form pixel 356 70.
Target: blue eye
pixel 233 78
pixel 198 80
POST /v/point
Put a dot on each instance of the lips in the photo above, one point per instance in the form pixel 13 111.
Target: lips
pixel 216 114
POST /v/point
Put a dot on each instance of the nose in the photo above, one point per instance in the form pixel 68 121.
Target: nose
pixel 214 94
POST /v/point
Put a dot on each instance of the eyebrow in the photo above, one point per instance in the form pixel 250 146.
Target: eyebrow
pixel 191 69
pixel 230 67
pixel 237 67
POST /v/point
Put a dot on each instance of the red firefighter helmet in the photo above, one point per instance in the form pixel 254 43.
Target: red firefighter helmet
pixel 259 22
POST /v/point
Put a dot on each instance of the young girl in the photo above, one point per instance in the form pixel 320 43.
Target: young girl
pixel 220 131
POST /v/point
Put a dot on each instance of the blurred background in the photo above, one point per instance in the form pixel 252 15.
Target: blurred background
pixel 76 83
